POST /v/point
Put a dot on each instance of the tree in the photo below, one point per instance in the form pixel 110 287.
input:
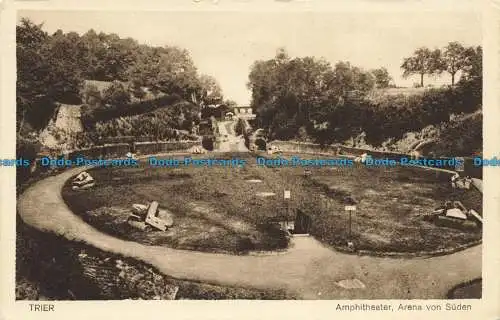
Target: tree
pixel 92 96
pixel 210 91
pixel 454 59
pixel 424 61
pixel 42 77
pixel 136 90
pixel 473 68
pixel 30 52
pixel 116 95
pixel 382 77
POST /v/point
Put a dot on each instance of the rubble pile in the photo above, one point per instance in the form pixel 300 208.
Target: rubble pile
pixel 145 217
pixel 455 213
pixel 458 182
pixel 83 181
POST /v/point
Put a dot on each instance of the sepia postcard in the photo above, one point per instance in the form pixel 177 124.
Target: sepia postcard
pixel 255 159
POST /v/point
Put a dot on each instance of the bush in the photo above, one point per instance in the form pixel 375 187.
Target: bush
pixel 464 138
pixel 393 116
pixel 161 124
pixel 93 115
pixel 116 95
pixel 208 143
pixel 275 238
pixel 239 128
pixel 27 150
pixel 92 96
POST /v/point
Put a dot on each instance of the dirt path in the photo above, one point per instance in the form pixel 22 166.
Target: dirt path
pixel 308 268
pixel 230 142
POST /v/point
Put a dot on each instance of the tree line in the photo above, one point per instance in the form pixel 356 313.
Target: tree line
pixel 309 99
pixel 52 67
pixel 453 59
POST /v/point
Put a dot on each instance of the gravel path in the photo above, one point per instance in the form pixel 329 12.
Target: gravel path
pixel 308 268
pixel 233 143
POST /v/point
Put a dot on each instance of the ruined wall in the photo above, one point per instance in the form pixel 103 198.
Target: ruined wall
pixel 338 150
pixel 161 147
pixel 61 132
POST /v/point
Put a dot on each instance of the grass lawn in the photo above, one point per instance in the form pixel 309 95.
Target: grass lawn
pixel 218 210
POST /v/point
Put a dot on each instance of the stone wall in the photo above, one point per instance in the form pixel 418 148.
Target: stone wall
pixel 160 147
pixel 339 150
pixel 112 151
pixel 118 150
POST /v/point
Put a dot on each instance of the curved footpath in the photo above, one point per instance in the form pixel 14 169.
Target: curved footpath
pixel 308 269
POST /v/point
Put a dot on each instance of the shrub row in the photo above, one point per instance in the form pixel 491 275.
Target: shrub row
pixel 90 115
pixel 392 116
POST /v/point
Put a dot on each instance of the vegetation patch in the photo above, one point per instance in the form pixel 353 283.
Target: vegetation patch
pixel 215 210
pixel 49 267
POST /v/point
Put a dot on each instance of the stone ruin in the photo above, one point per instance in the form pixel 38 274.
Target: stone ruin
pixel 362 158
pixel 456 214
pixel 151 216
pixel 131 155
pixel 458 182
pixel 273 149
pixel 197 150
pixel 83 181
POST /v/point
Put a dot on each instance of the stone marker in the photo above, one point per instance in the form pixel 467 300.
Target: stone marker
pixel 139 209
pixel 83 181
pixel 456 213
pixel 152 219
pixel 351 284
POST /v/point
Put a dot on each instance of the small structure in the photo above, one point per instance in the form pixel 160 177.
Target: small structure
pixel 83 181
pixel 244 112
pixel 229 116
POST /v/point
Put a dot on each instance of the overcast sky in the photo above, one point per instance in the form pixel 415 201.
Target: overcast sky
pixel 225 44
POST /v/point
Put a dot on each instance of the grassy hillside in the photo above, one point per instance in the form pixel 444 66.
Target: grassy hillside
pixel 463 136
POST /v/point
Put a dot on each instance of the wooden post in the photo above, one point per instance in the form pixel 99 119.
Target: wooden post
pixel 350 225
pixel 350 207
